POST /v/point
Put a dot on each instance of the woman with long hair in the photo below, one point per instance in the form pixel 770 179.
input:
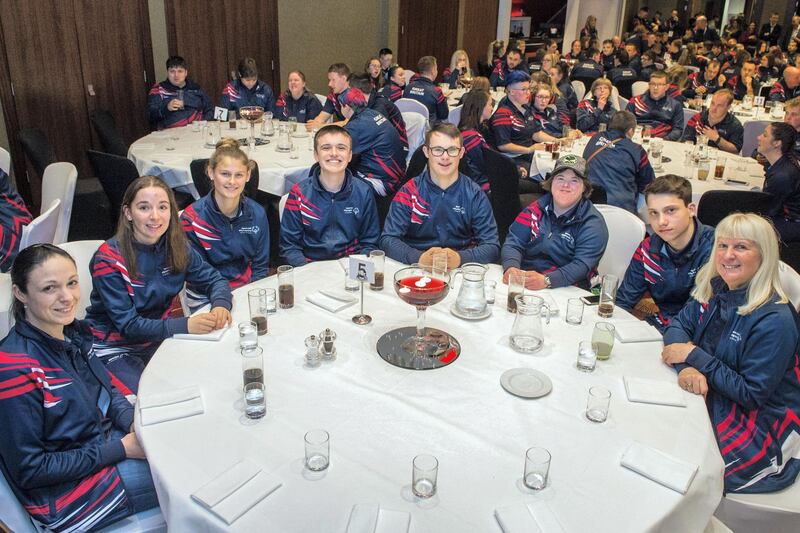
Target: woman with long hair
pixel 735 343
pixel 476 110
pixel 68 448
pixel 229 230
pixel 782 180
pixel 373 69
pixel 137 275
pixel 396 84
pixel 590 28
pixel 459 67
pixel 297 101
pixel 677 76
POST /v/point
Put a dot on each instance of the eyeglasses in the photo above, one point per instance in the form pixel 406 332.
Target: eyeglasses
pixel 566 182
pixel 438 151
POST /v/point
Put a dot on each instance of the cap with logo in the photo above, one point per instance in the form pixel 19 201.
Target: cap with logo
pixel 570 162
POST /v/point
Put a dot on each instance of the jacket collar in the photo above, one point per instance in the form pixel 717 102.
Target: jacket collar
pixel 77 332
pixel 240 211
pixel 344 192
pixel 573 216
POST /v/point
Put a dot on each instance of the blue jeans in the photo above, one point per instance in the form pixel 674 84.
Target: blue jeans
pixel 135 474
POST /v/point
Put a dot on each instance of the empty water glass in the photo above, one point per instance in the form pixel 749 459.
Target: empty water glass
pixel 537 468
pixel 272 301
pixel 317 442
pixel 574 314
pixel 587 357
pixel 489 290
pixel 425 470
pixel 351 285
pixel 597 404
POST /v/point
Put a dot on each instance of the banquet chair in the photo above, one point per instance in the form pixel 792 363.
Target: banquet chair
pixel 454 117
pixel 82 252
pixel 625 232
pixel 115 173
pixel 615 98
pixel 322 98
pixel 688 113
pixel 6 319
pixel 752 130
pixel 408 74
pixel 775 512
pixel 623 103
pixel 59 181
pixel 106 128
pixel 5 161
pixel 37 148
pixel 416 126
pixel 586 82
pixel 790 281
pixel 579 88
pixel 716 205
pixel 503 177
pixel 409 105
pixel 638 87
pixel 716 526
pixel 282 205
pixel 42 229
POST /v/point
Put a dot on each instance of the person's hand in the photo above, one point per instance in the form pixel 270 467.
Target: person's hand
pixel 748 81
pixel 175 105
pixel 523 171
pixel 711 133
pixel 701 90
pixel 692 380
pixel 133 450
pixel 510 271
pixel 601 103
pixel 761 159
pixel 677 352
pixel 534 281
pixel 453 259
pixel 426 259
pixel 222 317
pixel 202 323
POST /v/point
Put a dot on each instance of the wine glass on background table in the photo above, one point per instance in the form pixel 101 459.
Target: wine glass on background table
pixel 251 114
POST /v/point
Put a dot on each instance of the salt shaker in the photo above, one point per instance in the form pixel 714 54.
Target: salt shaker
pixel 326 347
pixel 312 351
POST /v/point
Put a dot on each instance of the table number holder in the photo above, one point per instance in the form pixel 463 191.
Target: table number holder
pixel 362 270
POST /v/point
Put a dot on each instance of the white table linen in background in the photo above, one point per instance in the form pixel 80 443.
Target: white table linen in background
pixel 380 416
pixel 152 157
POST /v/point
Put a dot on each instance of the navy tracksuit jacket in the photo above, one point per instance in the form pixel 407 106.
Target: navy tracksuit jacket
pixel 196 105
pixel 235 96
pixel 382 158
pixel 424 90
pixel 304 109
pixel 663 116
pixel 13 215
pixel 729 128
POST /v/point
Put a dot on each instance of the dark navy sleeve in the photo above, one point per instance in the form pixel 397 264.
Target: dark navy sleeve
pixel 442 111
pixel 313 108
pixel 292 229
pixel 451 77
pixel 588 116
pixel 501 126
pixel 519 235
pixel 370 232
pixel 394 230
pixel 589 247
pixel 156 105
pixel 781 185
pixel 329 107
pixel 260 263
pixel 768 351
pixel 225 99
pixel 633 284
pixel 677 123
pixel 206 278
pixel 484 229
pixel 690 132
pixel 736 135
pixel 644 171
pixel 682 326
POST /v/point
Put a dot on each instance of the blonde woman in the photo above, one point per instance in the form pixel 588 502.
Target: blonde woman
pixel 677 76
pixel 736 344
pixel 459 66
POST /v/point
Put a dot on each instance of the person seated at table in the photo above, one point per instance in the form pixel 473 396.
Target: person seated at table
pixel 331 213
pixel 475 112
pixel 177 101
pixel 247 90
pixel 338 76
pixel 744 82
pixel 558 77
pixel 500 73
pixel 557 100
pixel 607 55
pixel 229 230
pixel 648 59
pixel 549 120
pixel 787 87
pixel 558 239
pixel 68 431
pixel 384 106
pixel 373 69
pixel 575 52
pixel 666 262
pixel 395 84
pixel 596 109
pixel 703 83
pixel 13 216
pixel 791 117
pixel 589 68
pixel 380 151
pixel 701 32
pixel 735 343
pixel 136 276
pixel 441 210
pixel 622 74
pixel 782 178
pixel 634 59
pixel 297 101
pixel 718 53
pixel 618 164
pixel 657 111
pixel 459 68
pixel 422 88
pixel 677 76
pixel 724 131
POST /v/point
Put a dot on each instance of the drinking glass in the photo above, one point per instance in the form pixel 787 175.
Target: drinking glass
pixel 425 469
pixel 608 295
pixel 597 404
pixel 587 357
pixel 489 289
pixel 516 287
pixel 351 285
pixel 439 263
pixel 603 339
pixel 257 298
pixel 294 152
pixel 574 314
pixel 719 168
pixel 172 142
pixel 255 400
pixel 180 98
pixel 272 301
pixel 253 365
pixel 602 127
pixel 286 286
pixel 317 443
pixel 248 335
pixel 537 468
pixel 292 124
pixel 378 259
pixel 702 170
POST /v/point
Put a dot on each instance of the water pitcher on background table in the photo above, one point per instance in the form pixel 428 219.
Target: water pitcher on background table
pixel 527 335
pixel 472 295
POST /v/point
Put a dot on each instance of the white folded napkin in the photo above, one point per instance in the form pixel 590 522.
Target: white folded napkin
pixel 237 490
pixel 535 517
pixel 636 331
pixel 172 405
pixel 370 518
pixel 662 468
pixel 325 301
pixel 211 336
pixel 643 390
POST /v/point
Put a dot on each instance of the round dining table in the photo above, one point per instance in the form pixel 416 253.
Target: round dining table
pixel 380 417
pixel 169 153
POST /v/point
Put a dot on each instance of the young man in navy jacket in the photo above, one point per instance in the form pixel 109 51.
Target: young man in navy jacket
pixel 499 75
pixel 247 90
pixel 441 210
pixel 618 164
pixel 666 262
pixel 658 111
pixel 422 88
pixel 338 74
pixel 331 213
pixel 724 131
pixel 377 102
pixel 177 101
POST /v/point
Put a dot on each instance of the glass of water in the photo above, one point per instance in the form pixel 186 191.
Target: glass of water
pixel 597 404
pixel 248 335
pixel 255 400
pixel 317 450
pixel 424 473
pixel 537 468
pixel 587 357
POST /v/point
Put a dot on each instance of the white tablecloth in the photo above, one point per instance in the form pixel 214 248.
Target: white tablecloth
pixel 151 156
pixel 379 417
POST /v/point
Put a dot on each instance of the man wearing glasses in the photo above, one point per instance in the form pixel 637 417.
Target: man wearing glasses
pixel 514 126
pixel 657 111
pixel 441 210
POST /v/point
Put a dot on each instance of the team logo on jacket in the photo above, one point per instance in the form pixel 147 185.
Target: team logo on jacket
pixel 568 237
pixel 349 210
pixel 249 230
pixel 735 336
pixel 459 209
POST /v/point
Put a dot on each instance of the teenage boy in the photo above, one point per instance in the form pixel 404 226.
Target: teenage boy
pixel 338 74
pixel 331 213
pixel 657 110
pixel 724 131
pixel 441 210
pixel 665 263
pixel 177 101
